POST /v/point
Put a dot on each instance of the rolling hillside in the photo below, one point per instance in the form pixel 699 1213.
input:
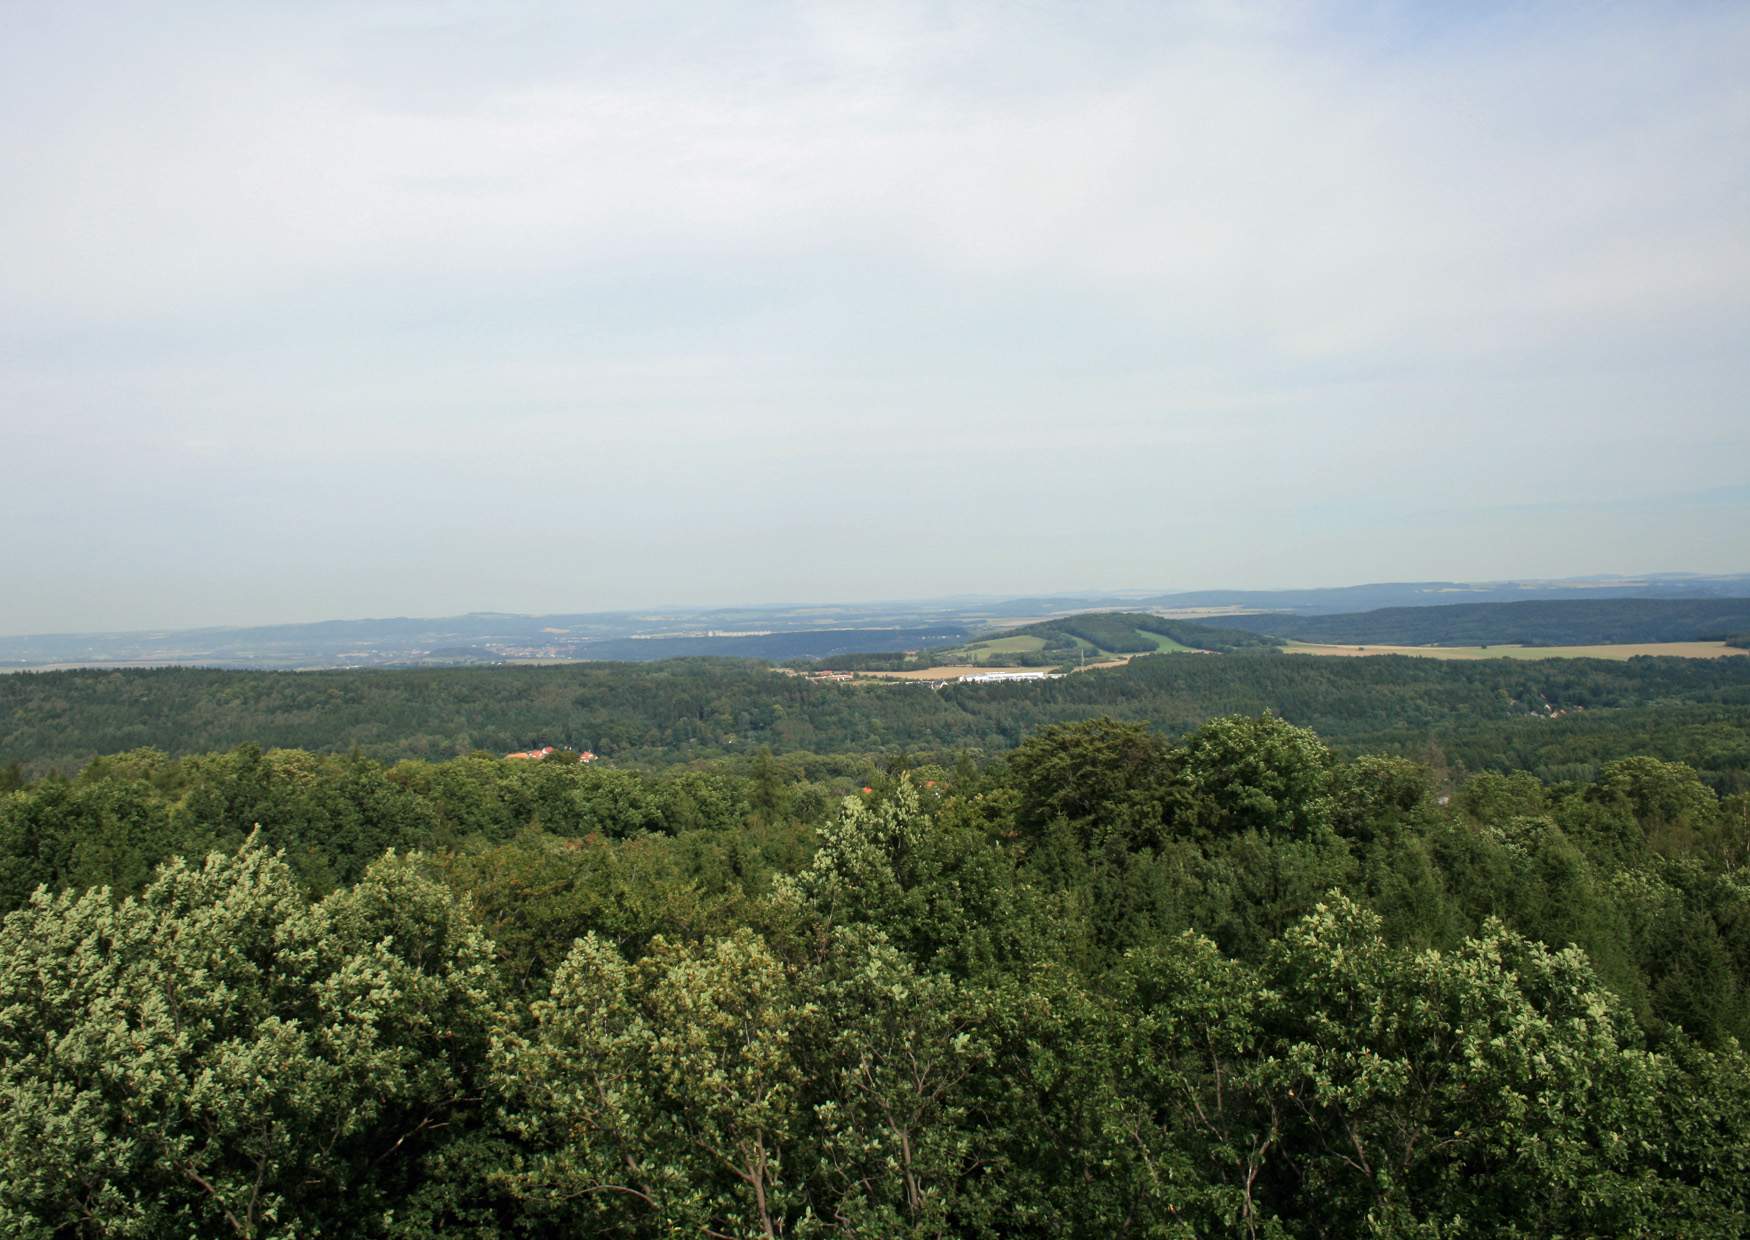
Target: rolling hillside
pixel 1565 622
pixel 1102 635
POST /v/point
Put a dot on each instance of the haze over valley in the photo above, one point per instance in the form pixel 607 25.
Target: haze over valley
pixel 773 632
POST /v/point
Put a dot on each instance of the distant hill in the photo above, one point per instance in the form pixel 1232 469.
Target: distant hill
pixel 491 638
pixel 1334 600
pixel 774 632
pixel 807 644
pixel 1563 622
pixel 1101 635
pixel 1127 632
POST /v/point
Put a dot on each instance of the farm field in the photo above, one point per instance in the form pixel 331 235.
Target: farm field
pixel 1019 644
pixel 1624 650
pixel 1166 645
pixel 949 672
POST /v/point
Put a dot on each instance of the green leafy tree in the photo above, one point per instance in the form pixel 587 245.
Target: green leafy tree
pixel 219 1057
pixel 938 888
pixel 1198 1108
pixel 661 1096
pixel 1102 776
pixel 1255 773
pixel 1374 796
pixel 1669 801
pixel 1498 1089
pixel 896 1117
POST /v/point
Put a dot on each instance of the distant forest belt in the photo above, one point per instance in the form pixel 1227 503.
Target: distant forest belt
pixel 1623 650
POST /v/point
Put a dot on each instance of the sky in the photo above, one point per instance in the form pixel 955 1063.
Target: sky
pixel 417 307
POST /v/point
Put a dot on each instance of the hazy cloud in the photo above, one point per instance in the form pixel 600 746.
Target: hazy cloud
pixel 378 308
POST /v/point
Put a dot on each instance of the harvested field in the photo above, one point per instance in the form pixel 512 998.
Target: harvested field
pixel 953 672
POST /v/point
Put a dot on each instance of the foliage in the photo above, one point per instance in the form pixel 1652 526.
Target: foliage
pixel 1111 984
pixel 219 1056
pixel 1560 719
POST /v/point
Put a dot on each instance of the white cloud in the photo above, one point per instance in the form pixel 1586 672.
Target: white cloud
pixel 1265 248
pixel 1298 186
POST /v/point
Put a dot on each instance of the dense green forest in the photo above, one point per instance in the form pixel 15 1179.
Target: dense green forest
pixel 1559 719
pixel 1134 952
pixel 1106 984
pixel 1559 622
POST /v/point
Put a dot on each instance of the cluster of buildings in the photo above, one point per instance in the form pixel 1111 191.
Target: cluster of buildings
pixel 979 678
pixel 535 755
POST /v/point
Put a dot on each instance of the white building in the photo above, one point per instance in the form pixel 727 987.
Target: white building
pixel 986 677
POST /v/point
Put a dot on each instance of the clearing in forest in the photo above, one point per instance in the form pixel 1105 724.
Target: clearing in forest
pixel 1019 644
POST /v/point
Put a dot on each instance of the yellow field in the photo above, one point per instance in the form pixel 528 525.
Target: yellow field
pixel 1627 650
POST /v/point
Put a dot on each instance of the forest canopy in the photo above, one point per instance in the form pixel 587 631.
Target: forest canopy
pixel 1558 719
pixel 1112 984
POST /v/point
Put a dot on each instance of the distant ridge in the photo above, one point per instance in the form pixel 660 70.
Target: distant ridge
pixel 775 632
pixel 1332 600
pixel 1544 622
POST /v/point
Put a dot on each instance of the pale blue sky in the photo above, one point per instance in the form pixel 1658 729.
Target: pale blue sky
pixel 367 308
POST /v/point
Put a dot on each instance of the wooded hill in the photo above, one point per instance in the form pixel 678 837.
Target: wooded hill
pixel 1123 632
pixel 1069 641
pixel 1565 622
pixel 1558 718
pixel 1113 986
